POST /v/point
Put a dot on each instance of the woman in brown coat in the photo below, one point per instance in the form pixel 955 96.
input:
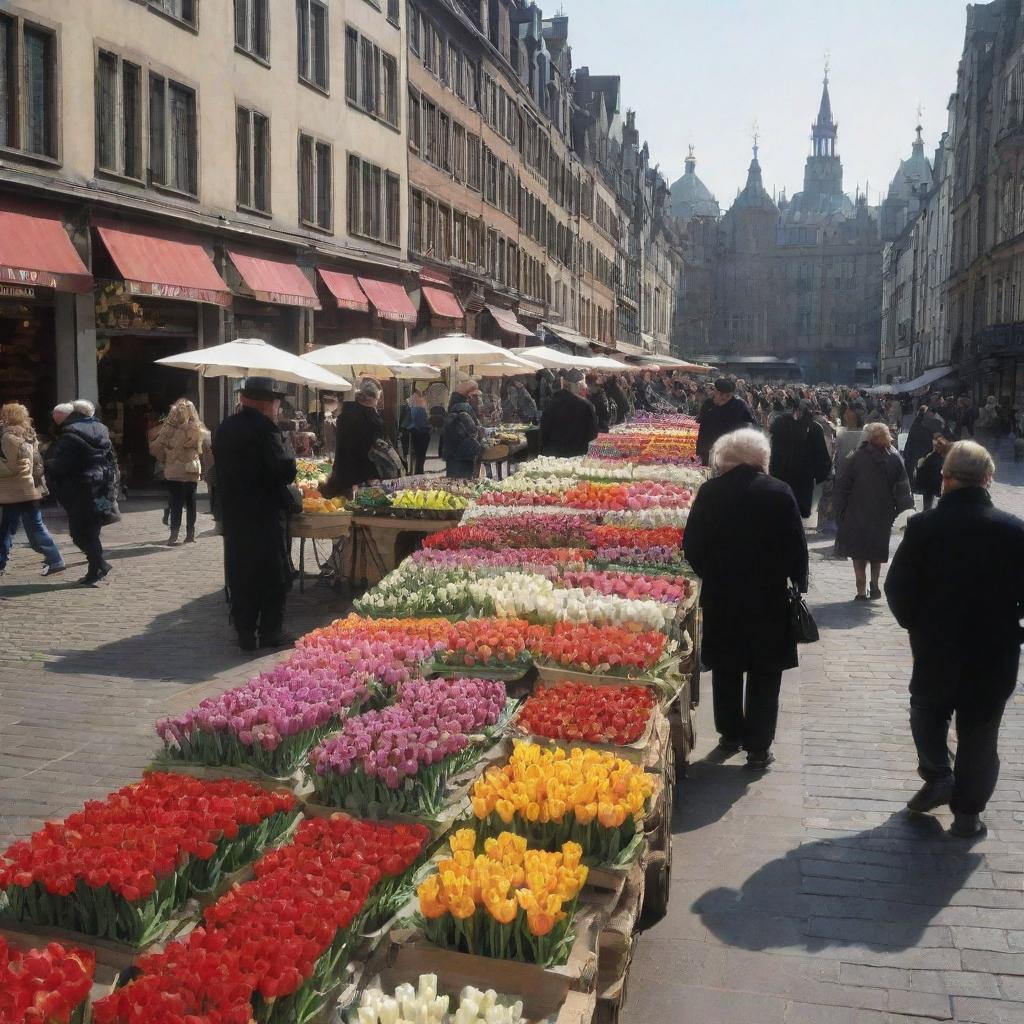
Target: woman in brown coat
pixel 22 488
pixel 180 446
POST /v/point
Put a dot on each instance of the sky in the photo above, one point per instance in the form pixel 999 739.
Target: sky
pixel 703 72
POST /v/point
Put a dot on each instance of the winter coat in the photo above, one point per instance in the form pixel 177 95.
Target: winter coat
pixel 519 406
pixel 957 584
pixel 928 475
pixel 21 466
pixel 254 469
pixel 800 458
pixel 603 408
pixel 358 427
pixel 745 540
pixel 81 466
pixel 179 446
pixel 568 425
pixel 461 435
pixel 871 490
pixel 719 420
pixel 919 440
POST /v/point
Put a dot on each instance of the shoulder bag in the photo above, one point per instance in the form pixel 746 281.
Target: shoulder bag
pixel 802 627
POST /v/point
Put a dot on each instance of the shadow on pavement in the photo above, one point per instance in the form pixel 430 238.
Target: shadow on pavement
pixel 135 551
pixel 846 614
pixel 24 589
pixel 708 792
pixel 880 887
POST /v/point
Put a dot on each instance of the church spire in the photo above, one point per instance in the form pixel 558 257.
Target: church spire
pixel 824 130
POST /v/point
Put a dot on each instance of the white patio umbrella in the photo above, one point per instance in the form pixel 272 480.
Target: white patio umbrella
pixel 551 357
pixel 369 357
pixel 607 363
pixel 515 366
pixel 252 357
pixel 457 351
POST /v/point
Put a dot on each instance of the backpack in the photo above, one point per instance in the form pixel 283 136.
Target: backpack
pixel 386 460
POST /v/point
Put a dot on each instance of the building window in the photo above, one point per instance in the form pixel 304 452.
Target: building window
pixel 173 136
pixel 371 77
pixel 473 162
pixel 458 151
pixel 118 116
pixel 412 20
pixel 180 10
pixel 252 27
pixel 415 220
pixel 415 121
pixel 373 202
pixel 28 87
pixel 252 148
pixel 316 179
pixel 444 140
pixel 429 150
pixel 393 13
pixel 311 16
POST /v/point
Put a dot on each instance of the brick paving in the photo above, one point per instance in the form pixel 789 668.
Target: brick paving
pixel 802 896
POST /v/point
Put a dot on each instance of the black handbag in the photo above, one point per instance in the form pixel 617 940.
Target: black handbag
pixel 802 627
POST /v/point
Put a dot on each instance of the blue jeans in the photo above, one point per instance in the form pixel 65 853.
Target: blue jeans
pixel 27 513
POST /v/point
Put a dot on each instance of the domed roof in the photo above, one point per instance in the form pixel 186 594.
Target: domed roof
pixel 690 196
pixel 912 173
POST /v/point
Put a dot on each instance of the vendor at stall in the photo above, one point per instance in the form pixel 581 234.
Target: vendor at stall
pixel 359 426
pixel 569 423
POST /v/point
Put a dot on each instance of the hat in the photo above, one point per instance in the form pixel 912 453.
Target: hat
pixel 263 388
pixel 725 385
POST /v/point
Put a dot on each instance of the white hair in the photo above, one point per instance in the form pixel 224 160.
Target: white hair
pixel 83 407
pixel 64 409
pixel 873 430
pixel 969 464
pixel 746 447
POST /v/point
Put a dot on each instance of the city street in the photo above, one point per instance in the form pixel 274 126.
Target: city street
pixel 800 896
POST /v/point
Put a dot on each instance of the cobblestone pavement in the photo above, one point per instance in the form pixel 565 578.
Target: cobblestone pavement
pixel 802 896
pixel 807 895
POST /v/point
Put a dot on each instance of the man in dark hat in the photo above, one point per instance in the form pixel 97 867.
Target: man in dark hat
pixel 254 470
pixel 722 415
pixel 569 423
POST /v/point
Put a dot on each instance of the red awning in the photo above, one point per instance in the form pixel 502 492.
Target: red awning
pixel 35 252
pixel 389 300
pixel 163 264
pixel 444 303
pixel 345 289
pixel 507 321
pixel 273 280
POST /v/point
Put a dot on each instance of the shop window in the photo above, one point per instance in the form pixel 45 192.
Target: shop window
pixel 173 139
pixel 180 10
pixel 315 183
pixel 28 87
pixel 118 116
pixel 373 202
pixel 252 146
pixel 252 28
pixel 311 16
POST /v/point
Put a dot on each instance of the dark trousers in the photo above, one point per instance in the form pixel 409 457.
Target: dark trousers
pixel 182 496
pixel 258 609
pixel 751 720
pixel 420 443
pixel 84 528
pixel 975 771
pixel 461 469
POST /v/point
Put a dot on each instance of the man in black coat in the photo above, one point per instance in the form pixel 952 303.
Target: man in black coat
pixel 799 453
pixel 724 414
pixel 254 470
pixel 920 438
pixel 359 426
pixel 569 423
pixel 745 540
pixel 957 584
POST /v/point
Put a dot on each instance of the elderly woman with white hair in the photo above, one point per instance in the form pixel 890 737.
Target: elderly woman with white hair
pixel 359 426
pixel 745 540
pixel 872 489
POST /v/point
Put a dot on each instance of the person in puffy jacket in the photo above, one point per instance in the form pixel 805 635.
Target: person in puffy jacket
pixel 462 435
pixel 179 447
pixel 81 471
pixel 22 488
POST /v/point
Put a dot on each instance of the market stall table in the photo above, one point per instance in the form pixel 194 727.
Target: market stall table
pixel 335 527
pixel 362 537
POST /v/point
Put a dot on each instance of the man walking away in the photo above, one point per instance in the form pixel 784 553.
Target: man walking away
pixel 724 414
pixel 569 423
pixel 254 470
pixel 957 584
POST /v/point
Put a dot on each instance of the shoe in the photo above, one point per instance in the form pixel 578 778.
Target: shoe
pixel 167 517
pixel 172 541
pixel 90 579
pixel 967 826
pixel 860 597
pixel 931 795
pixel 729 746
pixel 52 570
pixel 247 641
pixel 758 761
pixel 105 570
pixel 282 640
pixel 874 593
pixel 190 538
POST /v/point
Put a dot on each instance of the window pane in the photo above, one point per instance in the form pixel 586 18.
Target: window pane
pixel 261 162
pixel 324 197
pixel 392 208
pixel 260 28
pixel 182 139
pixel 367 203
pixel 302 34
pixel 354 225
pixel 389 88
pixel 243 158
pixel 106 107
pixel 39 92
pixel 131 112
pixel 415 221
pixel 306 180
pixel 351 65
pixel 242 24
pixel 320 45
pixel 157 133
pixel 393 10
pixel 368 74
pixel 8 122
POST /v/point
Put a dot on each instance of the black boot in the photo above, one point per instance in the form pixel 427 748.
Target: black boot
pixel 930 796
pixel 190 537
pixel 172 541
pixel 167 516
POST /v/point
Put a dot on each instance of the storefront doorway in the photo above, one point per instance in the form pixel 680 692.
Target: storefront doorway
pixel 28 357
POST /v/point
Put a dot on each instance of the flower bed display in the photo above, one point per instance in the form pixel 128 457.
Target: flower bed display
pixel 397 632
pixel 421 1004
pixel 603 650
pixel 44 986
pixel 521 530
pixel 510 902
pixel 486 645
pixel 400 759
pixel 593 714
pixel 121 867
pixel 417 591
pixel 543 560
pixel 633 586
pixel 551 797
pixel 270 949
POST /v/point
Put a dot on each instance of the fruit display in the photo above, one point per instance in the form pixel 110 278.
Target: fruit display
pixel 430 501
pixel 316 504
pixel 313 472
pixel 426 500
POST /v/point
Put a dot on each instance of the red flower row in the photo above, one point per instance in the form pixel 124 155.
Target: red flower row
pixel 586 648
pixel 43 986
pixel 263 940
pixel 593 714
pixel 634 537
pixel 138 835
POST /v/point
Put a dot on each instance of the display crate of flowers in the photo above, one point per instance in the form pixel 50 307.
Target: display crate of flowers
pixel 48 984
pixel 634 586
pixel 484 561
pixel 415 592
pixel 485 649
pixel 399 633
pixel 123 868
pixel 551 797
pixel 523 529
pixel 273 949
pixel 401 759
pixel 566 714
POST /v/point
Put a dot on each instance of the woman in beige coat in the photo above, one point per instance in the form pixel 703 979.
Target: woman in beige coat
pixel 22 488
pixel 180 446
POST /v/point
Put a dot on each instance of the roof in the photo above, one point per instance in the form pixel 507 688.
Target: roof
pixel 690 196
pixel 754 196
pixel 913 172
